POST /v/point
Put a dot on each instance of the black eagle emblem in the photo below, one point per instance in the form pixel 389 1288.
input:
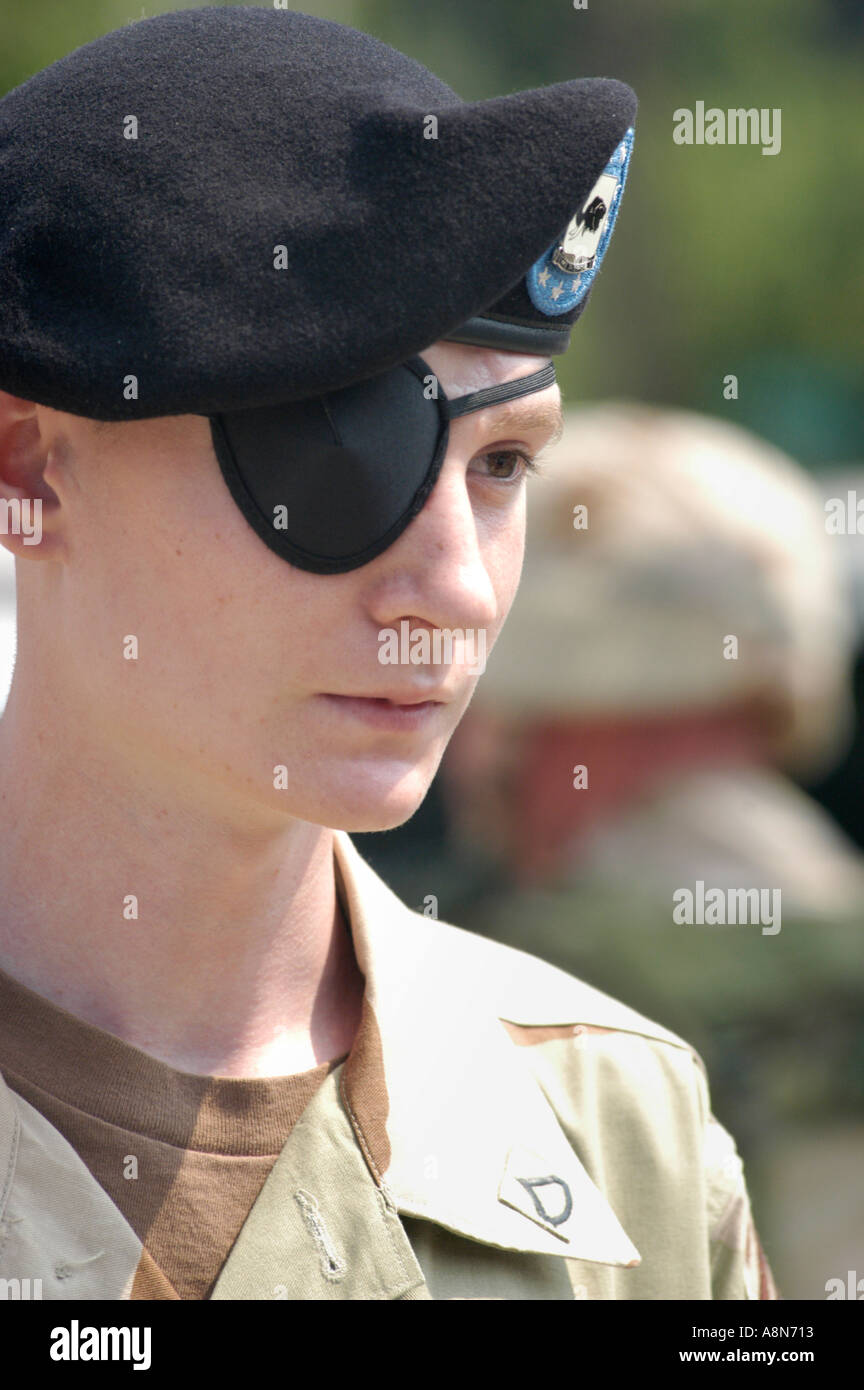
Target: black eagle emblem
pixel 592 215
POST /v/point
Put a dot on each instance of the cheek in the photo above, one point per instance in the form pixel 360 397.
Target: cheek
pixel 504 552
pixel 173 564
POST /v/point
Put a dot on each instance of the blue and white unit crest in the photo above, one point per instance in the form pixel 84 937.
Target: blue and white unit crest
pixel 564 273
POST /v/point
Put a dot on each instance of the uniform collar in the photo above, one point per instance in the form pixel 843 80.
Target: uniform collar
pixel 452 1124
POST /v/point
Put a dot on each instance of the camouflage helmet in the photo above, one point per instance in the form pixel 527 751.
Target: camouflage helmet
pixel 675 561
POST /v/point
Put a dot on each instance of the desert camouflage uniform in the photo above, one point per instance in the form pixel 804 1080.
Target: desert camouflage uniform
pixel 499 1130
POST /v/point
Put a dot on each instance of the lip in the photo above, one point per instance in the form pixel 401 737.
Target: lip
pixel 394 712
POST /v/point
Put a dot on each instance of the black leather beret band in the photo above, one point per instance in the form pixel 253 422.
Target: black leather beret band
pixel 507 336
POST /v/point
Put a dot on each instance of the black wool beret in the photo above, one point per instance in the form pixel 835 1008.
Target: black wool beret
pixel 231 207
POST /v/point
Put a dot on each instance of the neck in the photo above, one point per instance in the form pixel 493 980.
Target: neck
pixel 201 930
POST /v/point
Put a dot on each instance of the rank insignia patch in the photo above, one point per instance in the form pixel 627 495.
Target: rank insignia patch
pixel 561 278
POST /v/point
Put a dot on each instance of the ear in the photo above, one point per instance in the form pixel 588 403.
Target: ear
pixel 29 507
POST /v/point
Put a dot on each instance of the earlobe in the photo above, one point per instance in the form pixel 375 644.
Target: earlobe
pixel 29 507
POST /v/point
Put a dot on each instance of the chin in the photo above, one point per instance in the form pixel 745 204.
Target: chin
pixel 366 799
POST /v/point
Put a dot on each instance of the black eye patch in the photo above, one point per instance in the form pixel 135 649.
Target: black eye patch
pixel 331 481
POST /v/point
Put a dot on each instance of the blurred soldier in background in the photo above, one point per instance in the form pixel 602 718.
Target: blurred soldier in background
pixel 681 632
pixel 681 644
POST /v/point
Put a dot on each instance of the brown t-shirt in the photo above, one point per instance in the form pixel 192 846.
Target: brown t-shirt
pixel 182 1156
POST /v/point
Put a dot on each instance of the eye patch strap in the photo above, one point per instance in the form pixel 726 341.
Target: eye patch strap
pixel 504 391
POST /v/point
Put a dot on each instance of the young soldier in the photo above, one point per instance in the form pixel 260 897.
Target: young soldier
pixel 277 310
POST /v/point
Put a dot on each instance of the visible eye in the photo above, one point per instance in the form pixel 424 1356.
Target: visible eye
pixel 507 460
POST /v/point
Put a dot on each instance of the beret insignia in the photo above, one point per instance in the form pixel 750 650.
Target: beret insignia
pixel 562 277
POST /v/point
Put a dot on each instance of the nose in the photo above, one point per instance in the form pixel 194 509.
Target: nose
pixel 450 567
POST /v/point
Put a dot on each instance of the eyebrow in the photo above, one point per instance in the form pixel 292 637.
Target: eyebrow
pixel 521 414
